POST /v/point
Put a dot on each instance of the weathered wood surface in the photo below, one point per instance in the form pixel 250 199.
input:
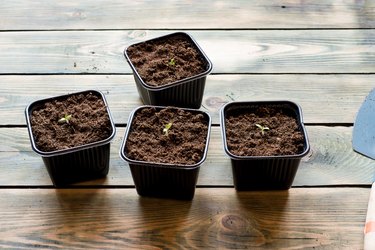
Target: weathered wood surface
pixel 231 51
pixel 207 14
pixel 330 162
pixel 319 218
pixel 319 54
pixel 323 98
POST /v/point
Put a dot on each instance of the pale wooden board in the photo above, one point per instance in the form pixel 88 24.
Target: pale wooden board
pixel 331 161
pixel 207 14
pixel 321 218
pixel 323 98
pixel 257 51
pixel 112 215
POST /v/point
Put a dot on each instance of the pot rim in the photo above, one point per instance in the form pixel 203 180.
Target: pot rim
pixel 29 109
pixel 172 84
pixel 299 118
pixel 164 165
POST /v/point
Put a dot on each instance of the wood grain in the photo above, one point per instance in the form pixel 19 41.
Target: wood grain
pixel 231 51
pixel 215 219
pixel 316 53
pixel 208 14
pixel 330 162
pixel 323 98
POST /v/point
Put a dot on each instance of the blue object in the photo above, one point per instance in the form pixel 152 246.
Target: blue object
pixel 363 140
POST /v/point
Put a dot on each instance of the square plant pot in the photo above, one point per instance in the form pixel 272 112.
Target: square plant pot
pixel 170 70
pixel 72 134
pixel 165 147
pixel 265 141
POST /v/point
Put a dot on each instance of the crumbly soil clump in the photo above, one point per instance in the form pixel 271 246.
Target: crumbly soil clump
pixel 184 143
pixel 245 138
pixel 166 60
pixel 89 122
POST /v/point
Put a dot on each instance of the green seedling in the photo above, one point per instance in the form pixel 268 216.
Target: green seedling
pixel 262 128
pixel 65 119
pixel 166 128
pixel 172 62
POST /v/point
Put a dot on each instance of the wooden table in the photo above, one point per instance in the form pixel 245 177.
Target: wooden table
pixel 319 54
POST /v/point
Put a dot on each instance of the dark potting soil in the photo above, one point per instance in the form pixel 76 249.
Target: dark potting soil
pixel 245 138
pixel 167 60
pixel 89 122
pixel 184 143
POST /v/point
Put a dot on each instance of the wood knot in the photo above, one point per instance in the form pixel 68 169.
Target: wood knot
pixel 214 102
pixel 79 14
pixel 240 231
pixel 137 34
pixel 235 223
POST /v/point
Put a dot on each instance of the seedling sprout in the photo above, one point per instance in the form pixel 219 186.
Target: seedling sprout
pixel 65 119
pixel 172 62
pixel 262 128
pixel 166 128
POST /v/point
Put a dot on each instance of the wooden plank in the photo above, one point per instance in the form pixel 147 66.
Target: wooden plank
pixel 323 98
pixel 329 218
pixel 330 162
pixel 258 51
pixel 117 14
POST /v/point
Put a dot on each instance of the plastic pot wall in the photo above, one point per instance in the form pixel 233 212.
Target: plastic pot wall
pixel 186 93
pixel 264 172
pixel 82 163
pixel 160 179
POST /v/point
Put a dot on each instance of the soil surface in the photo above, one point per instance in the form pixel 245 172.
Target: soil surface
pixel 167 60
pixel 245 138
pixel 89 122
pixel 184 142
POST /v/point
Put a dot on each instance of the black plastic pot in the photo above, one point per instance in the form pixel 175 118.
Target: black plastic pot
pixel 162 179
pixel 264 172
pixel 187 93
pixel 81 163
